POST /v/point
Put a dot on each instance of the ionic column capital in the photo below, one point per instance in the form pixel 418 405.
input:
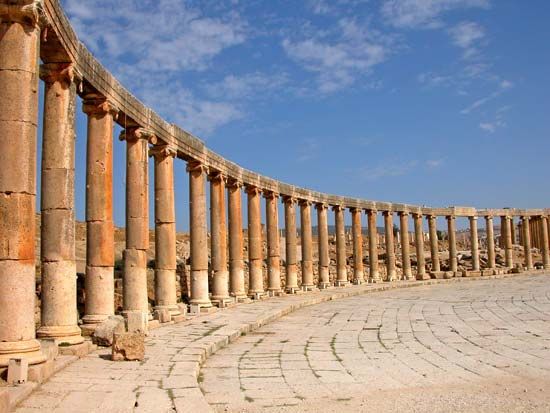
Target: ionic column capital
pixel 252 190
pixel 160 152
pixel 450 217
pixel 404 214
pixel 304 202
pixel 288 199
pixel 320 206
pixel 196 168
pixel 29 13
pixel 217 177
pixel 98 105
pixel 431 217
pixel 57 72
pixel 387 213
pixel 525 218
pixel 269 194
pixel 338 208
pixel 233 183
pixel 133 134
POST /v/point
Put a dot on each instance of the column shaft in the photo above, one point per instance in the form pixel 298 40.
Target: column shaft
pixel 527 243
pixel 290 244
pixel 307 246
pixel 341 265
pixel 273 243
pixel 453 263
pixel 165 230
pixel 324 258
pixel 474 243
pixel 357 230
pixel 255 247
pixel 419 241
pixel 374 275
pixel 506 232
pixel 434 243
pixel 545 242
pixel 236 262
pixel 405 245
pixel 59 316
pixel 390 249
pixel 199 236
pixel 19 56
pixel 490 231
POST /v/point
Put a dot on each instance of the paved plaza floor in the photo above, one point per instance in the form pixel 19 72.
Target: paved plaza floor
pixel 479 347
pixel 474 345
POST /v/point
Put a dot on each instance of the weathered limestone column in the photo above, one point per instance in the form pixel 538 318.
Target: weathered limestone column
pixel 218 240
pixel 434 243
pixel 236 261
pixel 324 258
pixel 405 247
pixel 527 242
pixel 307 245
pixel 99 282
pixel 451 224
pixel 357 229
pixel 290 244
pixel 490 231
pixel 544 240
pixel 341 268
pixel 390 249
pixel 255 248
pixel 165 230
pixel 59 316
pixel 419 241
pixel 506 232
pixel 273 244
pixel 137 219
pixel 374 275
pixel 474 243
pixel 19 56
pixel 513 234
pixel 199 236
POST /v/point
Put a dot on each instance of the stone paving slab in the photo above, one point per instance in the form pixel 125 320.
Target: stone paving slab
pixel 169 378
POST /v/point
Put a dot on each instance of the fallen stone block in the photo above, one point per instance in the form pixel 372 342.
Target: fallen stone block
pixel 128 346
pixel 103 334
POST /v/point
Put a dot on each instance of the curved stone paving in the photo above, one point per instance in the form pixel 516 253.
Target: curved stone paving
pixel 481 346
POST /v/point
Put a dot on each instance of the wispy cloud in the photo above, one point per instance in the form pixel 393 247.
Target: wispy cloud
pixel 467 36
pixel 498 122
pixel 247 86
pixel 423 14
pixel 386 169
pixel 503 86
pixel 435 163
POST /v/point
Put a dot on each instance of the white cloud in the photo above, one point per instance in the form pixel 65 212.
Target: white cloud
pixel 249 86
pixel 423 14
pixel 498 121
pixel 468 36
pixel 503 86
pixel 340 61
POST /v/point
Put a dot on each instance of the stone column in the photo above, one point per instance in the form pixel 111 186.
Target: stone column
pixel 419 241
pixel 434 243
pixel 255 247
pixel 490 231
pixel 218 240
pixel 59 316
pixel 199 236
pixel 165 230
pixel 290 244
pixel 506 232
pixel 544 241
pixel 341 267
pixel 99 282
pixel 307 245
pixel 236 262
pixel 19 56
pixel 513 234
pixel 405 246
pixel 273 244
pixel 474 243
pixel 357 230
pixel 390 249
pixel 451 224
pixel 137 219
pixel 527 242
pixel 324 258
pixel 374 275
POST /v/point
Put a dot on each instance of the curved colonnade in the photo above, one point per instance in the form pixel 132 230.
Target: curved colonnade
pixel 34 31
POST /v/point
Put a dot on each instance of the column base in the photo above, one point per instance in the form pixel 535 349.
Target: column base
pixel 308 288
pixel 223 302
pixel 437 274
pixel 412 277
pixel 293 290
pixel 341 283
pixel 374 280
pixel 29 350
pixel 275 293
pixel 196 309
pixel 407 276
pixel 257 295
pixel 324 285
pixel 422 277
pixel 173 308
pixel 90 323
pixel 70 335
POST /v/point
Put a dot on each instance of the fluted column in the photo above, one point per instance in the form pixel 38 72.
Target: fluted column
pixel 434 243
pixel 527 242
pixel 405 245
pixel 506 232
pixel 199 236
pixel 19 56
pixel 165 230
pixel 451 225
pixel 357 229
pixel 390 249
pixel 374 275
pixel 255 247
pixel 290 244
pixel 218 240
pixel 474 244
pixel 324 258
pixel 544 241
pixel 236 261
pixel 307 245
pixel 490 231
pixel 341 267
pixel 419 241
pixel 99 281
pixel 59 316
pixel 273 243
pixel 137 219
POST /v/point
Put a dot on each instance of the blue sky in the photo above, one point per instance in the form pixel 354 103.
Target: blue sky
pixel 436 102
